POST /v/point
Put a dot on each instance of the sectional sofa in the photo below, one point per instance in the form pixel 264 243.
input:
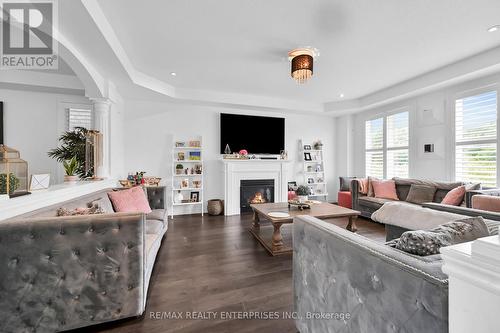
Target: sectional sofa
pixel 61 273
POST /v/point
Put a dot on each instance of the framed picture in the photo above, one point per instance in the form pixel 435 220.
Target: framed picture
pixel 307 147
pixel 195 196
pixel 197 183
pixel 307 157
pixel 310 180
pixel 181 156
pixel 180 144
pixel 292 186
pixel 195 155
pixel 195 143
pixel 185 183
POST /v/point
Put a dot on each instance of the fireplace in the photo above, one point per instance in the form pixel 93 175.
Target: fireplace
pixel 255 191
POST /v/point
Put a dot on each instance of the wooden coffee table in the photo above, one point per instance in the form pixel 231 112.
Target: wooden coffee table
pixel 275 245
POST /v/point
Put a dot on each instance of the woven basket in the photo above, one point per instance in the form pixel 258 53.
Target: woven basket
pixel 215 207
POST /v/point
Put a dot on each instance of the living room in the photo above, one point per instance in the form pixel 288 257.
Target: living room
pixel 200 166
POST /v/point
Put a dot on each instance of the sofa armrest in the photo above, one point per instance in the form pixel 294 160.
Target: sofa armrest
pixel 61 273
pixel 463 211
pixel 156 196
pixel 355 194
pixel 336 271
pixel 469 194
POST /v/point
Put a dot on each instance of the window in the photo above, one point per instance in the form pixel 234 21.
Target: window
pixel 79 118
pixel 387 142
pixel 476 139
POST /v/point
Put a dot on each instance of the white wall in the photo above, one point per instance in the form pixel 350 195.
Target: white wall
pixel 431 121
pixel 32 124
pixel 151 128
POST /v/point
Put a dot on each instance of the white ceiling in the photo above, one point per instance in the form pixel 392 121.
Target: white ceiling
pixel 241 46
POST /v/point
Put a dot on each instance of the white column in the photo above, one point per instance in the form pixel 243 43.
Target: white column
pixel 102 123
pixel 474 285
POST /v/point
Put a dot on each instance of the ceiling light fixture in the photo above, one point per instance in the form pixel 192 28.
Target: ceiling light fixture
pixel 302 63
pixel 173 73
pixel 494 28
pixel 341 95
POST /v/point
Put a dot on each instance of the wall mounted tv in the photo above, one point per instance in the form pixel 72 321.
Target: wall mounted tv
pixel 258 135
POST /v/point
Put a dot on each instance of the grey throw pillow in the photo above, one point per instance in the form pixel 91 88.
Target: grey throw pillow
pixel 419 194
pixel 428 242
pixel 345 183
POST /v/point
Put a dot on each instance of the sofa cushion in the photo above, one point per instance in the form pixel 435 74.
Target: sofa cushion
pixel 362 185
pixel 345 183
pixel 385 189
pixel 154 227
pixel 370 191
pixel 157 214
pixel 373 202
pixel 455 197
pixel 419 194
pixel 486 202
pixel 403 187
pixel 130 200
pixel 428 242
pixel 411 216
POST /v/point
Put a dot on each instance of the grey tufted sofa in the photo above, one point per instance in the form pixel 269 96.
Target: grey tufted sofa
pixel 344 282
pixel 61 273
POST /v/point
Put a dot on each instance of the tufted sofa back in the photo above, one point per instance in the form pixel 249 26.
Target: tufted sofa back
pixel 67 272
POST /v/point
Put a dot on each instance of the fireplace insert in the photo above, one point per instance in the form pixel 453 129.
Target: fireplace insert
pixel 255 191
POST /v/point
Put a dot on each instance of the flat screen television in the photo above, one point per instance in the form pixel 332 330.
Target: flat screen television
pixel 256 134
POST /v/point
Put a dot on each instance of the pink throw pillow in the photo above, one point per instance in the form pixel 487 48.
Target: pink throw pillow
pixel 130 200
pixel 385 189
pixel 363 185
pixel 455 196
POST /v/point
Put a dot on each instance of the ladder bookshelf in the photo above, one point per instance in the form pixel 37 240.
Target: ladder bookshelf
pixel 187 179
pixel 314 170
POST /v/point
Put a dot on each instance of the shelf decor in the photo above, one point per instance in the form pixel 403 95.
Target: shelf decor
pixel 314 168
pixel 187 175
pixel 13 172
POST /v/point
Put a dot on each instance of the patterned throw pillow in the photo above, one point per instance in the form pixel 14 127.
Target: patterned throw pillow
pixel 428 242
pixel 91 209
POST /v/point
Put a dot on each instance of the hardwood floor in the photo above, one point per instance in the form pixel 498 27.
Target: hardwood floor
pixel 214 264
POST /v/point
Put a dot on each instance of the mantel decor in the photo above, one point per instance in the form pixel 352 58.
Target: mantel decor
pixel 13 172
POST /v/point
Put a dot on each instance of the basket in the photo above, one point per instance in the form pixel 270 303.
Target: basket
pixel 215 207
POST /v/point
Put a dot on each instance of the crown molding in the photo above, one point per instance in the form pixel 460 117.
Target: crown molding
pixel 473 67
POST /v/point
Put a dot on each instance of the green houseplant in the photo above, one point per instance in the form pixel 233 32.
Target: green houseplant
pixel 179 168
pixel 73 145
pixel 13 183
pixel 302 193
pixel 71 168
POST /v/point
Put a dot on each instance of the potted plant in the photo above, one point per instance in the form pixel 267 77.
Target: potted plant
pixel 73 145
pixel 70 168
pixel 318 145
pixel 302 193
pixel 178 169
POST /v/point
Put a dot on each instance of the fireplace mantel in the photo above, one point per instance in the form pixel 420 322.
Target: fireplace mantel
pixel 237 170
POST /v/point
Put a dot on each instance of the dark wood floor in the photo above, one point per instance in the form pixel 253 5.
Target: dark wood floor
pixel 214 264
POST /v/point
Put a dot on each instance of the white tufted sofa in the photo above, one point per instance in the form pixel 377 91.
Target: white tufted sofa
pixel 61 273
pixel 344 282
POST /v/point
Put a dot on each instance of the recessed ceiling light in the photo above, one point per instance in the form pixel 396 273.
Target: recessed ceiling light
pixel 494 28
pixel 341 95
pixel 173 73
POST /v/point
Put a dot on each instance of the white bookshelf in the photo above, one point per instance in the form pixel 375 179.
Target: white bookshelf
pixel 314 170
pixel 188 175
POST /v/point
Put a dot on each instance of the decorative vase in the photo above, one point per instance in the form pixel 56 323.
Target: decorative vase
pixel 215 207
pixel 227 150
pixel 70 179
pixel 178 197
pixel 302 198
